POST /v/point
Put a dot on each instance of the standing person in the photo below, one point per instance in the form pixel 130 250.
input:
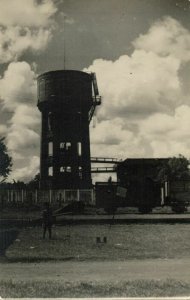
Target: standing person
pixel 47 219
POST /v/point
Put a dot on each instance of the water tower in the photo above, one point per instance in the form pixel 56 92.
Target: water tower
pixel 67 100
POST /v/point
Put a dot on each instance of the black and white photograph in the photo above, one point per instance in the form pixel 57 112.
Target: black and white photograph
pixel 95 149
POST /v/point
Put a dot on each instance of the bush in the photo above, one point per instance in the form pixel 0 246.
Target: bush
pixel 178 206
pixel 145 209
pixel 110 210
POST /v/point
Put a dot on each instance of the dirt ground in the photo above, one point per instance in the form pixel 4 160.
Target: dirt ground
pixel 112 271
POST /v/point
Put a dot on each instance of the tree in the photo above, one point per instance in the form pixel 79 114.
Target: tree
pixel 175 168
pixel 5 161
pixel 19 185
pixel 35 182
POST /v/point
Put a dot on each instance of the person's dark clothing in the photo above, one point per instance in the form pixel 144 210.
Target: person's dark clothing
pixel 47 221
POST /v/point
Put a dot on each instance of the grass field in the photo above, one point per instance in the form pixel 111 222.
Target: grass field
pixel 79 243
pixel 19 213
pixel 123 242
pixel 53 289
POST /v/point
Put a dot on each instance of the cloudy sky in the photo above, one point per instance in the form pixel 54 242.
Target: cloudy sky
pixel 140 51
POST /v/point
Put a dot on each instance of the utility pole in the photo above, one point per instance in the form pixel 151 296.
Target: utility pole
pixel 64 43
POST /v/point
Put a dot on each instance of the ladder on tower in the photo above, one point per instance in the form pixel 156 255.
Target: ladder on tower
pixel 96 98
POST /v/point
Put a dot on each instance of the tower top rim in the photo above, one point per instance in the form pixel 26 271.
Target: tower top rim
pixel 61 72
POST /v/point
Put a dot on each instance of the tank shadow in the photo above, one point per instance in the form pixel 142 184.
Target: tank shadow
pixel 7 237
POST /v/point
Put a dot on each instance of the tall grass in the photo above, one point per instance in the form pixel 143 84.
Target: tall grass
pixel 137 288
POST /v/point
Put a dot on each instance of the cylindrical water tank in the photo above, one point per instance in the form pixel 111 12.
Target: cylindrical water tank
pixel 66 88
pixel 65 98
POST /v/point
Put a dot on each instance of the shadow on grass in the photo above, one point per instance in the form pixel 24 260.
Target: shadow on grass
pixel 36 259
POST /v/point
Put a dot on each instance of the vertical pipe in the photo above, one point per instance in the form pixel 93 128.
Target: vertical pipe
pixel 50 195
pixel 44 148
pixel 162 196
pixel 166 188
pixel 78 195
pixel 92 196
pixel 36 198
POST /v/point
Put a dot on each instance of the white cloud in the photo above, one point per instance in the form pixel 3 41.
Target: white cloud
pixel 27 172
pixel 168 135
pixel 24 25
pixel 138 85
pixel 14 41
pixel 26 13
pixel 3 130
pixel 18 85
pixel 18 96
pixel 27 116
pixel 20 138
pixel 166 37
pixel 145 111
pixel 110 138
